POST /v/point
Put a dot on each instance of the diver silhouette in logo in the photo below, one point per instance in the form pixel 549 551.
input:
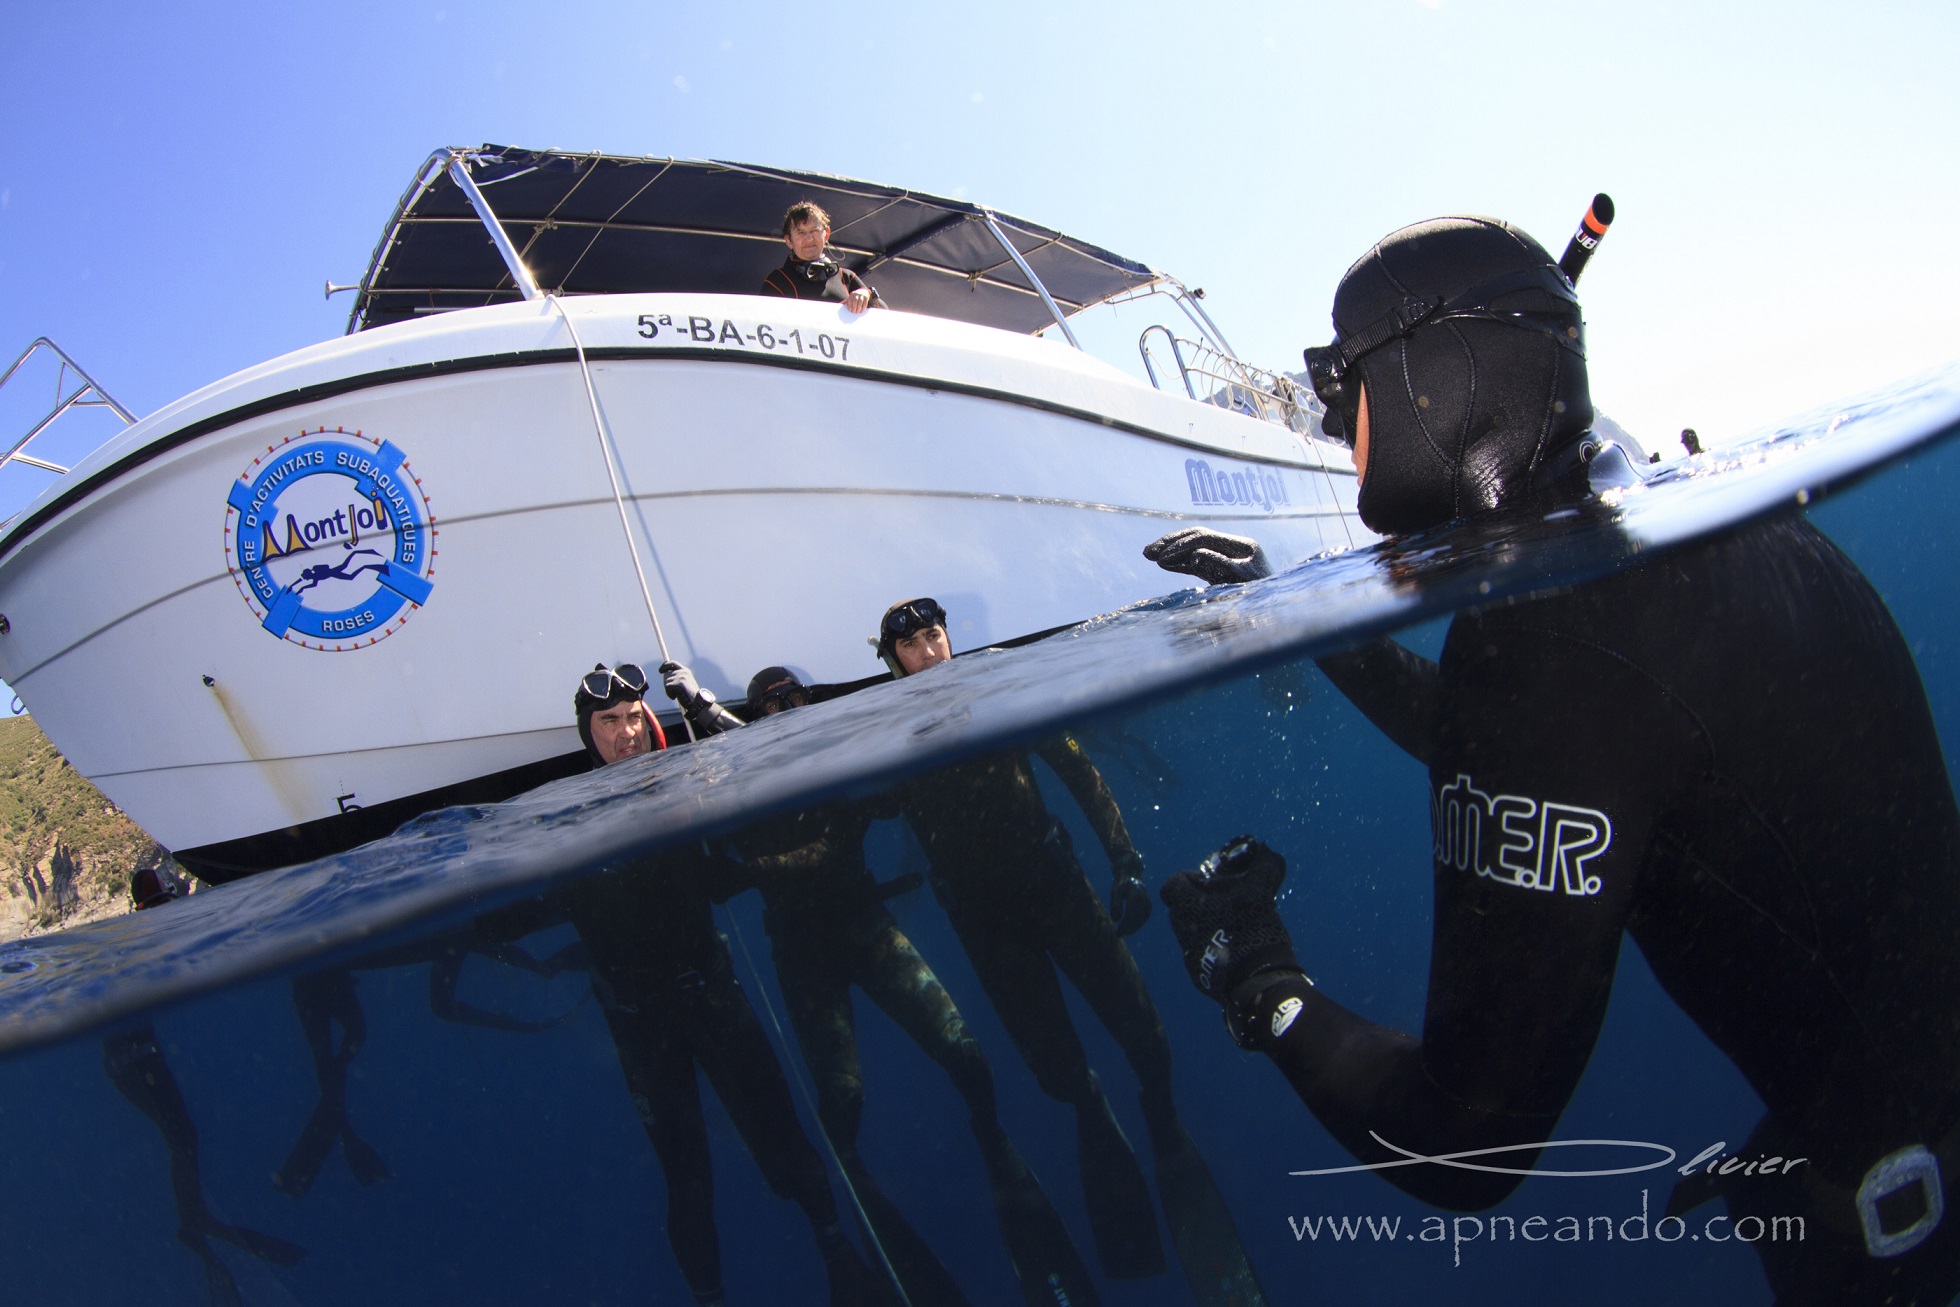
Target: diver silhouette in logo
pixel 319 572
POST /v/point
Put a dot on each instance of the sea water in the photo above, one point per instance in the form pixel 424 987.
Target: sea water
pixel 518 1171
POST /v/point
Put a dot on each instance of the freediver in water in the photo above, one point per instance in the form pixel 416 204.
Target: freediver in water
pixel 137 1067
pixel 663 977
pixel 829 930
pixel 1726 753
pixel 323 1000
pixel 1003 869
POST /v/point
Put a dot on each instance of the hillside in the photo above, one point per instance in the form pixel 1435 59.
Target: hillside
pixel 66 852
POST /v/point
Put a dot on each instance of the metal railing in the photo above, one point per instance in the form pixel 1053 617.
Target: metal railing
pixel 1212 376
pixel 88 393
pixel 1211 371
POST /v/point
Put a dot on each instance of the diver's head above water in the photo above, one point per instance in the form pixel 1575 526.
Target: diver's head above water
pixel 1463 341
pixel 776 689
pixel 613 723
pixel 912 637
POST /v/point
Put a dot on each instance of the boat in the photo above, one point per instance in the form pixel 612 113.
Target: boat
pixel 281 615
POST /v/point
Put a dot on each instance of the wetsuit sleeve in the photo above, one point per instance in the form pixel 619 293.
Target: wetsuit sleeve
pixel 1552 761
pixel 778 285
pixel 1091 795
pixel 1394 689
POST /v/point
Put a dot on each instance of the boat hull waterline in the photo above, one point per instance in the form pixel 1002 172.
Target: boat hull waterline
pixel 375 568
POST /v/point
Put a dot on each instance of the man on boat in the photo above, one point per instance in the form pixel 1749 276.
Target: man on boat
pixel 829 930
pixel 810 273
pixel 1003 869
pixel 664 980
pixel 1725 753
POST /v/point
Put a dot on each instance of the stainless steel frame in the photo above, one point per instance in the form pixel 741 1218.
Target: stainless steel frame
pixel 75 399
pixel 459 172
pixel 1026 271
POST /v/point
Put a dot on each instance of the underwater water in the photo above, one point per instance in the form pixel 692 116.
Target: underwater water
pixel 516 1167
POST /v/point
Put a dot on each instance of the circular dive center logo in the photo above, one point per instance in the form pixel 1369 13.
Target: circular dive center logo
pixel 330 539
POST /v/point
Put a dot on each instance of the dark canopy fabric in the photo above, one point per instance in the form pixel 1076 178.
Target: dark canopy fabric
pixel 591 224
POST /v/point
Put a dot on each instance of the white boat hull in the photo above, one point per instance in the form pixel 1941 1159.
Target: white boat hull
pixel 779 501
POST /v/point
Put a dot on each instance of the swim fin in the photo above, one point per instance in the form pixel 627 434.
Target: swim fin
pixel 1207 1240
pixel 1120 1214
pixel 1045 1262
pixel 926 1280
pixel 362 1159
pixel 309 1154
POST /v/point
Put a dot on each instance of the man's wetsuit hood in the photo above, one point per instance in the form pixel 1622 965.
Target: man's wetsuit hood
pixel 1470 408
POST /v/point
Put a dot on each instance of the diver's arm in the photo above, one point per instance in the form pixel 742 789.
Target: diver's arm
pixel 1369 1087
pixel 1394 688
pixel 1092 795
pixel 1129 902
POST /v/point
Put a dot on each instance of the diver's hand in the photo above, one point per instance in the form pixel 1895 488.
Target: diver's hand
pixel 680 685
pixel 1129 901
pixel 1212 556
pixel 1225 919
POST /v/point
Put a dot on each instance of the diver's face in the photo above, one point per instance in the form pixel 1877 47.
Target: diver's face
pixel 783 696
pixel 621 731
pixel 1361 440
pixel 807 239
pixel 922 649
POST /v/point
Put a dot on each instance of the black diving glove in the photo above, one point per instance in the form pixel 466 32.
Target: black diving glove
pixel 1212 556
pixel 1235 945
pixel 706 715
pixel 1129 901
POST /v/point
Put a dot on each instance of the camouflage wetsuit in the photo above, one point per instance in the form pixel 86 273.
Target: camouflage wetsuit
pixel 1004 870
pixel 829 930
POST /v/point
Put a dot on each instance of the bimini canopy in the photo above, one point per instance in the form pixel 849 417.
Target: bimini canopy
pixel 595 224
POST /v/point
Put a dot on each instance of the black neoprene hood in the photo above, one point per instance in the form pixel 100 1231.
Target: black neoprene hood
pixel 1466 408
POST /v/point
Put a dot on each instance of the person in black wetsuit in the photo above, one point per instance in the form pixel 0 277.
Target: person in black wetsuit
pixel 1725 753
pixel 809 273
pixel 829 930
pixel 1003 869
pixel 137 1067
pixel 663 977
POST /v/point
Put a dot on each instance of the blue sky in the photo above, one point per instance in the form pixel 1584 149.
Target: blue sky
pixel 177 182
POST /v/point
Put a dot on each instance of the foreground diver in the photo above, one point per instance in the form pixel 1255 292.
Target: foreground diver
pixel 137 1068
pixel 663 977
pixel 1726 753
pixel 1003 870
pixel 829 930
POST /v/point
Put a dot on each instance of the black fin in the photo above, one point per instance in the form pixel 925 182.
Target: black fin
pixel 926 1280
pixel 1045 1261
pixel 1120 1213
pixel 1207 1240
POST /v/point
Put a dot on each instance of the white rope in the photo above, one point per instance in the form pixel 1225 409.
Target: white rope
pixel 612 473
pixel 619 497
pixel 810 1104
